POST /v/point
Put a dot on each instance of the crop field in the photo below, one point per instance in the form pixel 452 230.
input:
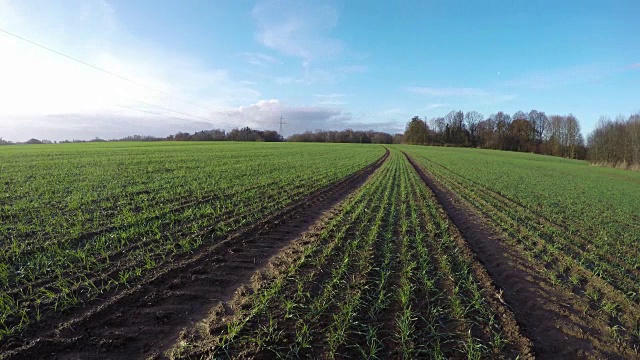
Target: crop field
pixel 388 276
pixel 579 226
pixel 80 221
pixel 249 250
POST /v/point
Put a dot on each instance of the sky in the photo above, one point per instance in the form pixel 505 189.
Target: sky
pixel 152 67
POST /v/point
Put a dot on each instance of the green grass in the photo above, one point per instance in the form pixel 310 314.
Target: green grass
pixel 387 276
pixel 595 210
pixel 372 284
pixel 591 200
pixel 579 223
pixel 70 212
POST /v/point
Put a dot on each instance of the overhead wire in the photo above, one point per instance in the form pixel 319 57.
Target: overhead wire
pixel 80 61
pixel 128 80
pixel 180 113
pixel 158 114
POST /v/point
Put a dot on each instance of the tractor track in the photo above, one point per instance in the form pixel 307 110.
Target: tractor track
pixel 548 315
pixel 145 320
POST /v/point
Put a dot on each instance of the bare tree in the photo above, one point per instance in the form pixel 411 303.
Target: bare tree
pixel 573 136
pixel 472 119
pixel 540 121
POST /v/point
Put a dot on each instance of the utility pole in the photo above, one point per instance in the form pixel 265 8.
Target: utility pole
pixel 281 123
pixel 426 131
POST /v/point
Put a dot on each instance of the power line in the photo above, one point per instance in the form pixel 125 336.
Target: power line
pixel 181 113
pixel 158 114
pixel 173 111
pixel 80 61
pixel 136 83
pixel 109 73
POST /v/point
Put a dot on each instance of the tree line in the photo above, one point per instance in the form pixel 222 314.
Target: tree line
pixel 612 143
pixel 557 135
pixel 242 134
pixel 236 134
pixel 616 142
pixel 347 136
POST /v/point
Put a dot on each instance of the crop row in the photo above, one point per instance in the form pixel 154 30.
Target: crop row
pixel 567 257
pixel 59 269
pixel 388 276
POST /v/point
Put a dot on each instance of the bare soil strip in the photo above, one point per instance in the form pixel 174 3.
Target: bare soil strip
pixel 145 320
pixel 277 329
pixel 550 316
pixel 504 325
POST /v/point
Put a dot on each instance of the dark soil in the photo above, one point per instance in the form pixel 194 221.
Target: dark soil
pixel 147 319
pixel 204 341
pixel 552 317
pixel 518 345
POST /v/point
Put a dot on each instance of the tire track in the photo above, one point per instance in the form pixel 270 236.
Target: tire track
pixel 550 316
pixel 146 319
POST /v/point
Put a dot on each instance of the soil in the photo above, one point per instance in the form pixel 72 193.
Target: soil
pixel 147 319
pixel 551 317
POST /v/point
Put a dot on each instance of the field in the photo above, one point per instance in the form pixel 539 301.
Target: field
pixel 249 250
pixel 570 229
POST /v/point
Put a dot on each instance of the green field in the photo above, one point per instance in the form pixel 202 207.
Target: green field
pixel 388 276
pixel 579 224
pixel 293 250
pixel 71 212
pixel 585 216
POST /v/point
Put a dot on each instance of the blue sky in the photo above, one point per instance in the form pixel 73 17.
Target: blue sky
pixel 322 65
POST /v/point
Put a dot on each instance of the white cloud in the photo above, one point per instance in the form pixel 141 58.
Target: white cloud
pixel 107 125
pixel 436 106
pixel 303 30
pixel 446 92
pixel 298 29
pixel 259 59
pixel 331 99
pixel 43 90
pixel 265 114
pixel 310 75
pixel 45 95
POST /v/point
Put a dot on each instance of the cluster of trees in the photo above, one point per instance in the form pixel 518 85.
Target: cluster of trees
pixel 616 142
pixel 243 134
pixel 347 136
pixel 247 134
pixel 532 132
pixel 30 141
